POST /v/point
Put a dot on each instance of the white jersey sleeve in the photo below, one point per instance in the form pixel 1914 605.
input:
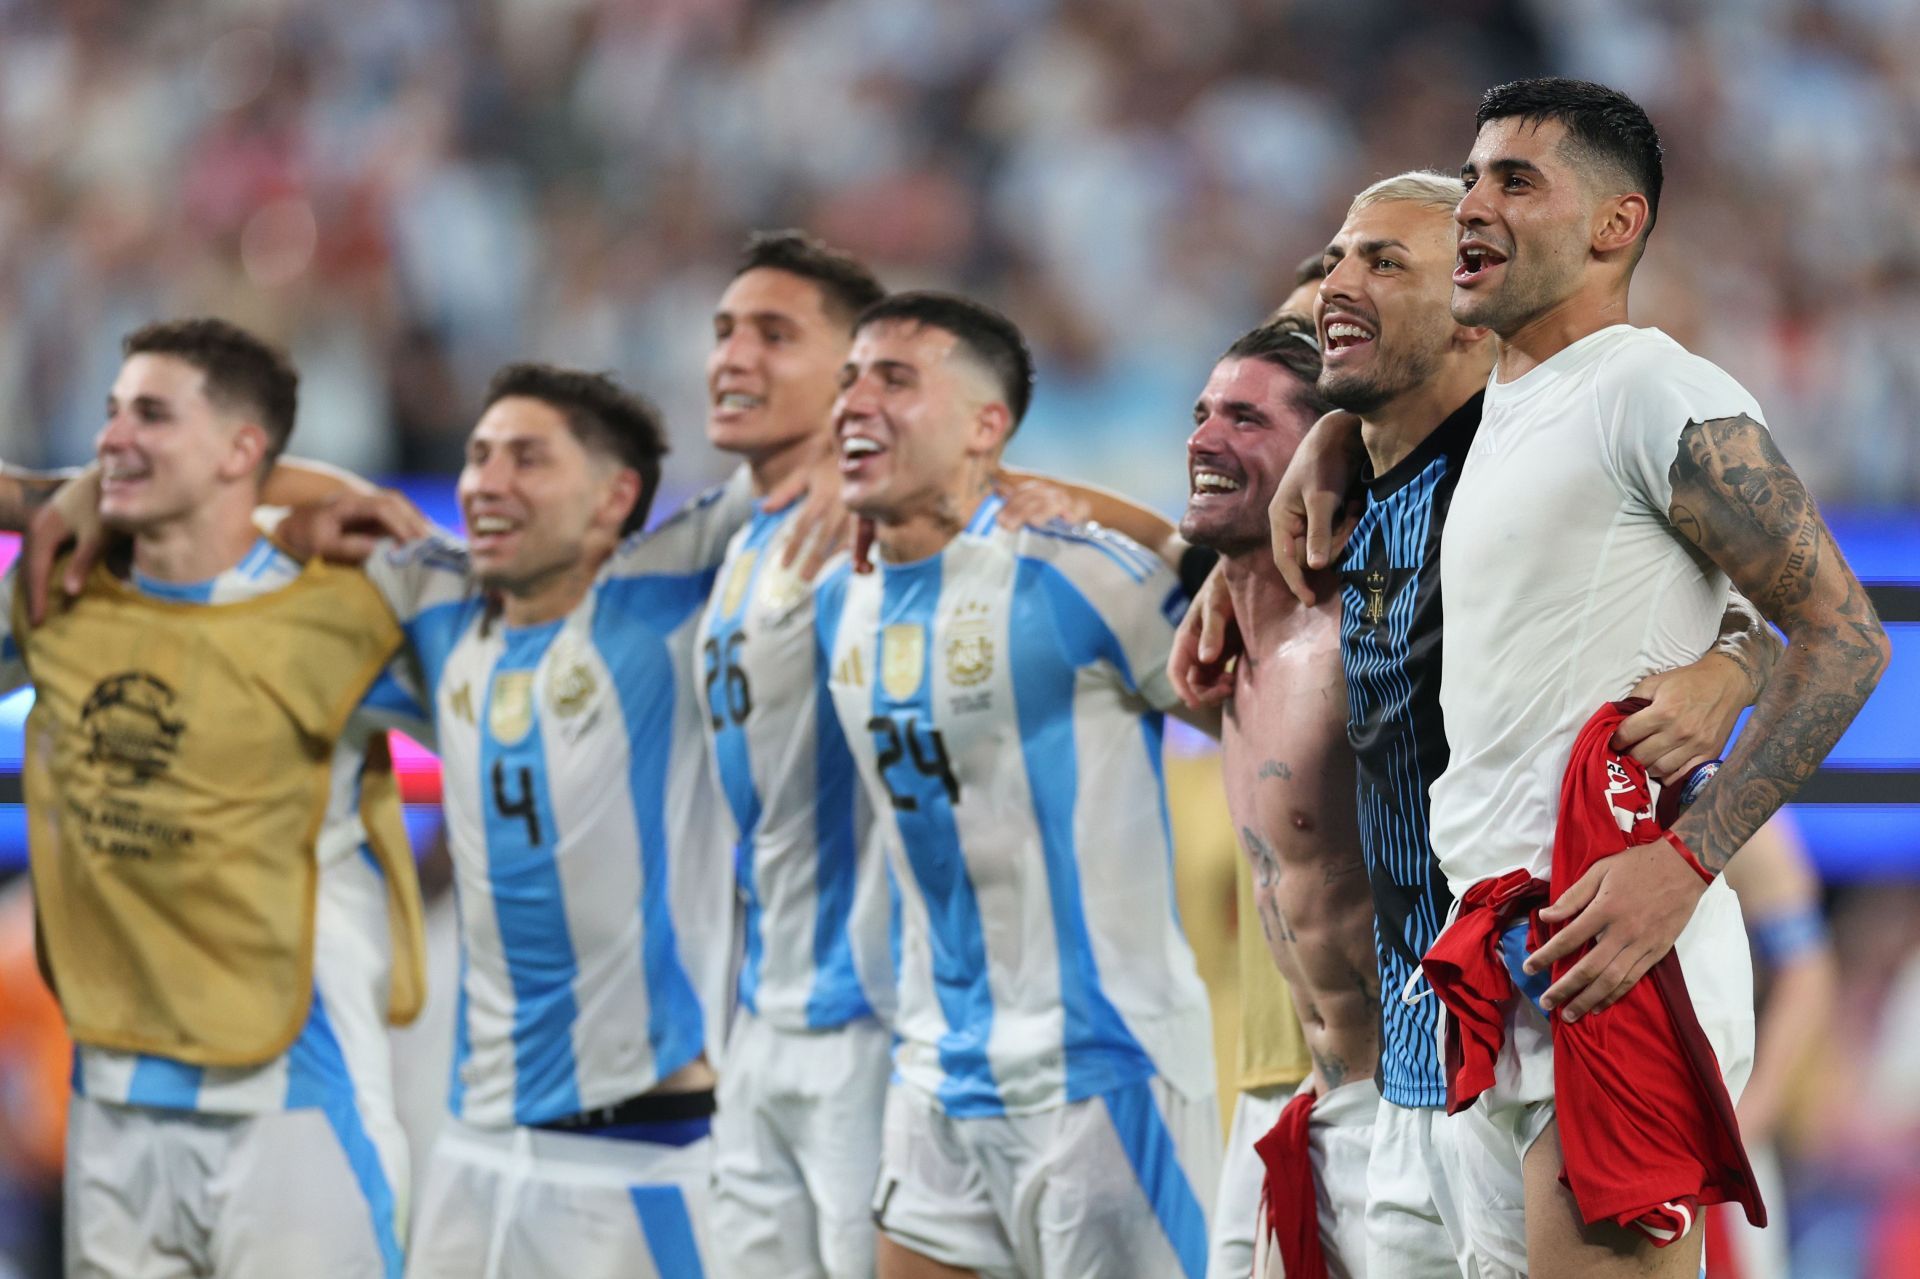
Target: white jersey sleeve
pixel 1648 392
pixel 692 539
pixel 413 577
pixel 1136 596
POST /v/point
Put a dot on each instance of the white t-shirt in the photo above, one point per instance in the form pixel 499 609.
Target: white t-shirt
pixel 1565 582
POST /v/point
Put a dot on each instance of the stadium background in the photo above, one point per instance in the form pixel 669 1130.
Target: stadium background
pixel 409 192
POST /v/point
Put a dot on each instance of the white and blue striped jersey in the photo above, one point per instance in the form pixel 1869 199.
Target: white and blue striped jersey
pixel 1002 700
pixel 810 875
pixel 340 1061
pixel 589 841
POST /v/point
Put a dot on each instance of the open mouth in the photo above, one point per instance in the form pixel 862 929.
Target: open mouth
pixel 856 451
pixel 730 404
pixel 1344 335
pixel 1474 261
pixel 1209 483
pixel 119 478
pixel 489 532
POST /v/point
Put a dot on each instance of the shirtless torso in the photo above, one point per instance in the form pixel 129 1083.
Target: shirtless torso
pixel 1290 789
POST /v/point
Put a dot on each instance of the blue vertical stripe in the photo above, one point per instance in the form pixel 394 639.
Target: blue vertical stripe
pixel 648 685
pixel 837 996
pixel 733 758
pixel 528 903
pixel 161 1081
pixel 462 1034
pixel 1053 632
pixel 1156 1162
pixel 317 1077
pixel 669 1231
pixel 910 597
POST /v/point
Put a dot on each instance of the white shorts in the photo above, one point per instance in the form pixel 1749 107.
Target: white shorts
pixel 1339 1137
pixel 797 1150
pixel 1236 1209
pixel 1493 1136
pixel 522 1203
pixel 297 1194
pixel 1416 1223
pixel 1113 1187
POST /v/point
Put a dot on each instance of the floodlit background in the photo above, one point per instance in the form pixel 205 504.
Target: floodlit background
pixel 408 193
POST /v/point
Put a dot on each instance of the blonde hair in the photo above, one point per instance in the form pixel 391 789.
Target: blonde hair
pixel 1427 187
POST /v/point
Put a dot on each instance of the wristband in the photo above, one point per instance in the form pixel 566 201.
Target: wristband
pixel 1686 855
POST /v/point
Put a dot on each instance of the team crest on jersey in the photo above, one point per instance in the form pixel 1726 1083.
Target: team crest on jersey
pixel 736 588
pixel 510 707
pixel 903 659
pixel 780 587
pixel 970 646
pixel 1375 584
pixel 570 681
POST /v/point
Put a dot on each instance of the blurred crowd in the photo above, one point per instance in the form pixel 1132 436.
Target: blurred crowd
pixel 408 192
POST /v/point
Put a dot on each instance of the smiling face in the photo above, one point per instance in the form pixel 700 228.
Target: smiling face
pixel 537 501
pixel 914 413
pixel 166 449
pixel 1382 314
pixel 1527 225
pixel 774 367
pixel 1246 425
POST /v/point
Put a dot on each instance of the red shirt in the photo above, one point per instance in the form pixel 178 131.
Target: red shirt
pixel 1645 1123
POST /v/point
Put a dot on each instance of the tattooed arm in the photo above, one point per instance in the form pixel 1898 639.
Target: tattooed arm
pixel 1736 499
pixel 1692 710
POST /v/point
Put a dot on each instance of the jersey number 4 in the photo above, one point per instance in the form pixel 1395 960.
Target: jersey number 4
pixel 905 739
pixel 522 805
pixel 732 701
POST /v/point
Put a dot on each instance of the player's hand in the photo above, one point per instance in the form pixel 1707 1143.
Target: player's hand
pixel 72 514
pixel 822 526
pixel 1200 665
pixel 1030 500
pixel 1631 906
pixel 1691 713
pixel 346 528
pixel 1310 514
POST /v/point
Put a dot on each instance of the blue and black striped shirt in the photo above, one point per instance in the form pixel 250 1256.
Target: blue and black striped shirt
pixel 1390 633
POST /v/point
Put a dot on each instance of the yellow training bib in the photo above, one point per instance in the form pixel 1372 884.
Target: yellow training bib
pixel 176 775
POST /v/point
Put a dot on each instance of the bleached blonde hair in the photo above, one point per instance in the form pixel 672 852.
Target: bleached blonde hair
pixel 1428 187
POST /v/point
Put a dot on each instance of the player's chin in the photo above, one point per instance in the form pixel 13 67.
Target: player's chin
pixel 126 516
pixel 1477 306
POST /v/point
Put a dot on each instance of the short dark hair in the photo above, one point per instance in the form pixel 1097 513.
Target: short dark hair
pixel 1604 127
pixel 1287 341
pixel 1312 267
pixel 242 371
pixel 846 286
pixel 985 333
pixel 603 415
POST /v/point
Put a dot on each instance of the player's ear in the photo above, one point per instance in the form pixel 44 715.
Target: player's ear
pixel 992 425
pixel 1619 222
pixel 618 498
pixel 246 452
